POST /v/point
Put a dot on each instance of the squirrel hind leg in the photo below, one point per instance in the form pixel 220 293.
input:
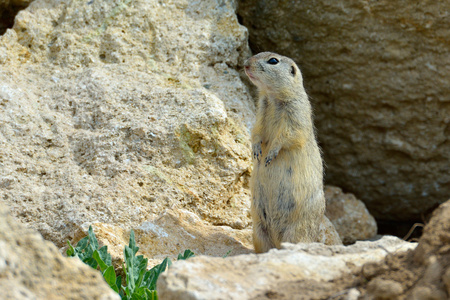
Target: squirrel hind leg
pixel 261 239
pixel 297 233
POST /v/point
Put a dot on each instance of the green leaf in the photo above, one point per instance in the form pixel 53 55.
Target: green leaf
pixel 130 268
pixel 140 284
pixel 92 245
pixel 92 239
pixel 90 261
pixel 151 295
pixel 136 267
pixel 187 253
pixel 139 293
pixel 99 261
pixel 157 270
pixel 105 256
pixel 132 243
pixel 141 276
pixel 82 244
pixel 71 250
pixel 110 277
pixel 128 292
pixel 119 284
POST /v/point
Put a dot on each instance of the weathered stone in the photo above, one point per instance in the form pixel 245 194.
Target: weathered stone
pixel 328 233
pixel 174 231
pixel 384 289
pixel 247 276
pixel 31 268
pixel 113 112
pixel 170 234
pixel 349 216
pixel 385 269
pixel 420 273
pixel 377 72
pixel 424 292
pixel 446 280
pixel 436 236
pixel 370 270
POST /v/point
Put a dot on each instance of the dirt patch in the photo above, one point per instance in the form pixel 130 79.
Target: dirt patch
pixel 422 273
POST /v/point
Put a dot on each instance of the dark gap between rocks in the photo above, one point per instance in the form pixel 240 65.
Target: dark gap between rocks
pixel 8 12
pixel 400 229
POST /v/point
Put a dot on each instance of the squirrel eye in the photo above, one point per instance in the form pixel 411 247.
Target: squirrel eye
pixel 293 71
pixel 272 61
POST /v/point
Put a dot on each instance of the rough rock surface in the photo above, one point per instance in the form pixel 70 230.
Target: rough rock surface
pixel 170 234
pixel 419 274
pixel 132 114
pixel 328 233
pixel 173 231
pixel 31 268
pixel 349 216
pixel 302 271
pixel 114 112
pixel 110 112
pixel 377 72
pixel 385 269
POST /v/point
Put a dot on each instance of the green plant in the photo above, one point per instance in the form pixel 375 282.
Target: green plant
pixel 140 282
pixel 226 254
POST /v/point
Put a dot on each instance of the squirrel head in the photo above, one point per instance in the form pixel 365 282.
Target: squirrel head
pixel 274 74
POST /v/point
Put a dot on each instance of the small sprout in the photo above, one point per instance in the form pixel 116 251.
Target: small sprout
pixel 228 253
pixel 140 282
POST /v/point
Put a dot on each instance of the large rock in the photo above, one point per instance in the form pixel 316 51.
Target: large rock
pixel 385 269
pixel 349 216
pixel 168 235
pixel 420 274
pixel 302 271
pixel 115 111
pixel 31 268
pixel 377 72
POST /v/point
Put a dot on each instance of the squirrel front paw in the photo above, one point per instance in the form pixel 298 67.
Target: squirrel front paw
pixel 257 152
pixel 271 156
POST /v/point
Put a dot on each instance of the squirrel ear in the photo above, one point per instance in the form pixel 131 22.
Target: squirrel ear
pixel 293 70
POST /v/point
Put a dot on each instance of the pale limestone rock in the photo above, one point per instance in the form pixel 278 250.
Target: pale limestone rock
pixel 169 234
pixel 114 111
pixel 377 73
pixel 247 276
pixel 349 216
pixel 174 231
pixel 31 268
pixel 328 233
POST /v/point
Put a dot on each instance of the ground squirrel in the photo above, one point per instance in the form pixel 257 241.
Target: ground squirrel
pixel 288 201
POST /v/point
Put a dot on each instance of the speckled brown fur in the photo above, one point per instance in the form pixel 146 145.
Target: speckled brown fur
pixel 288 202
